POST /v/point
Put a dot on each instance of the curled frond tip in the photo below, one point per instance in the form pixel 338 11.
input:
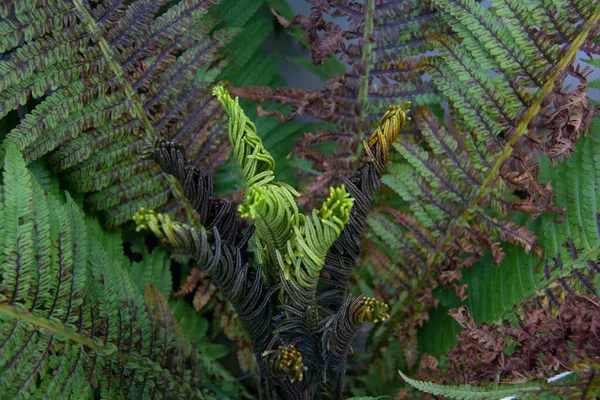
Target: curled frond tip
pixel 287 360
pixel 372 310
pixel 387 132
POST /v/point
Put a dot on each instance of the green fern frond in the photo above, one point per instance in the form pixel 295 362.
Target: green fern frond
pixel 146 72
pixel 287 242
pixel 255 161
pixel 72 323
pixel 468 392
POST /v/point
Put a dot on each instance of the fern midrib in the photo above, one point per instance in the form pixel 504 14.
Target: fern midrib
pixel 150 136
pixel 78 338
pixel 363 91
pixel 521 129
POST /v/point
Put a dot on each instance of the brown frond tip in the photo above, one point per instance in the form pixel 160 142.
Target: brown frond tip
pixel 541 343
pixel 386 133
pixel 286 360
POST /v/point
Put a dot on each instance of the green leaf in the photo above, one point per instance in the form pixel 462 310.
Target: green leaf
pixel 76 324
pixel 468 392
pixel 155 268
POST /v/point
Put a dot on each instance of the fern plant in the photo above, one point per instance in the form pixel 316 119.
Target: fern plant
pixel 94 82
pixel 116 98
pixel 462 188
pixel 301 333
pixel 72 321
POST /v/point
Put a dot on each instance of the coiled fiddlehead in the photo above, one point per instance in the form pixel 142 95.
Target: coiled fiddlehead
pixel 381 140
pixel 286 360
pixel 344 252
pixel 240 283
pixel 289 243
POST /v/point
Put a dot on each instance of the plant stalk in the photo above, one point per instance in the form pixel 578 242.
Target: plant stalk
pixel 363 92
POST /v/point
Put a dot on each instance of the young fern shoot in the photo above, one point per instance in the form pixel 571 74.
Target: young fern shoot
pixel 302 336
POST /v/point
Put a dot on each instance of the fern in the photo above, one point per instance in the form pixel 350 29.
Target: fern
pixel 569 264
pixel 468 392
pixel 456 201
pixel 303 343
pixel 73 322
pixel 382 46
pixel 110 78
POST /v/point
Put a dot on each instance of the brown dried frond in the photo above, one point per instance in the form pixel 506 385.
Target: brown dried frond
pixel 322 46
pixel 201 285
pixel 317 103
pixel 191 282
pixel 542 345
pixel 572 115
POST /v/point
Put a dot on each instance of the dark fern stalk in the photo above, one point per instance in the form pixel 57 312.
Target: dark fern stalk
pixel 300 342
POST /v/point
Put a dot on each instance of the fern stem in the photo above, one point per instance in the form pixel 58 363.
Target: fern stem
pixel 150 134
pixel 45 324
pixel 363 91
pixel 116 69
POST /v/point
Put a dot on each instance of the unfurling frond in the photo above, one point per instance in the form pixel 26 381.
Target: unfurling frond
pixel 288 243
pixel 294 248
pixel 340 328
pixel 344 252
pixel 286 360
pixel 387 132
pixel 240 284
pixel 220 251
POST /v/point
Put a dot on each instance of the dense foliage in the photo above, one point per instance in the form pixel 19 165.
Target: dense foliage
pixel 445 188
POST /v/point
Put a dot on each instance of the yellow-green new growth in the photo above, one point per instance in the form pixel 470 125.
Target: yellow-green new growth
pixel 160 224
pixel 314 236
pixel 287 360
pixel 372 310
pixel 256 162
pixel 288 242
